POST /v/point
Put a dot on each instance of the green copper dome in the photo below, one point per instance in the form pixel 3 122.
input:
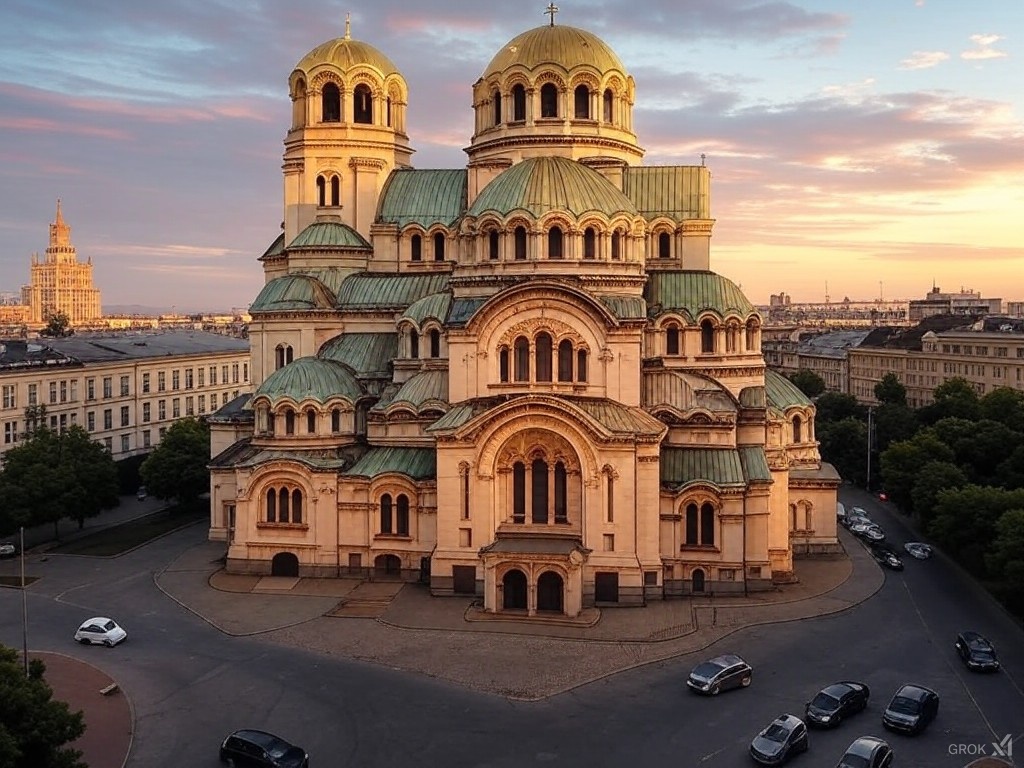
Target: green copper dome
pixel 540 185
pixel 310 378
pixel 693 292
pixel 293 292
pixel 329 234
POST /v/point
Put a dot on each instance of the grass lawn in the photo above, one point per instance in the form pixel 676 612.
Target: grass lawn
pixel 120 538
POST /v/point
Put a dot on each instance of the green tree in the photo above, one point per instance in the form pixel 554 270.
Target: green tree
pixel 954 398
pixel 890 390
pixel 893 422
pixel 808 382
pixel 1005 405
pixel 979 446
pixel 933 477
pixel 844 444
pixel 177 468
pixel 53 475
pixel 832 407
pixel 1010 472
pixel 964 523
pixel 901 461
pixel 1006 560
pixel 34 728
pixel 58 324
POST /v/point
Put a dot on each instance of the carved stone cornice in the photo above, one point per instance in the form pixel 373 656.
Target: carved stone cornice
pixel 370 163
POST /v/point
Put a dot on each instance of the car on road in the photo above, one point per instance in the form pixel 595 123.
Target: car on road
pixel 784 737
pixel 911 709
pixel 100 630
pixel 868 531
pixel 976 652
pixel 141 494
pixel 854 516
pixel 260 749
pixel 867 752
pixel 8 549
pixel 887 557
pixel 835 702
pixel 719 674
pixel 918 550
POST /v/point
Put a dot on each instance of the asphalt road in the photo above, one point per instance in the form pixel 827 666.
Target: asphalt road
pixel 190 685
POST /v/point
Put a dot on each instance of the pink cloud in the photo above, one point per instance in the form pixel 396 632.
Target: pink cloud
pixel 924 59
pixel 983 48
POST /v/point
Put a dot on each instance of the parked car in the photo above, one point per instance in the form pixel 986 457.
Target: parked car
pixel 917 549
pixel 784 737
pixel 868 531
pixel 100 631
pixel 976 652
pixel 867 752
pixel 261 750
pixel 720 674
pixel 8 549
pixel 141 494
pixel 856 515
pixel 836 701
pixel 887 557
pixel 911 709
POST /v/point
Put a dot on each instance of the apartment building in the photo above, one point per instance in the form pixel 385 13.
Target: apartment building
pixel 125 390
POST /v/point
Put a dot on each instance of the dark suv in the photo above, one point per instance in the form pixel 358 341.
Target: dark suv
pixel 911 709
pixel 976 652
pixel 720 674
pixel 259 749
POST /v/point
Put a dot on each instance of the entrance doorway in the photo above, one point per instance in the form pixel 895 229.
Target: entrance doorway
pixel 550 591
pixel 698 581
pixel 513 587
pixel 284 564
pixel 387 565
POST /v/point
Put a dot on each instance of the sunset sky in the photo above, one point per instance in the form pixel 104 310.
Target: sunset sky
pixel 875 145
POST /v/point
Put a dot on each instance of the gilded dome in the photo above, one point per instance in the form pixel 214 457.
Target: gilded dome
pixel 567 47
pixel 543 184
pixel 346 53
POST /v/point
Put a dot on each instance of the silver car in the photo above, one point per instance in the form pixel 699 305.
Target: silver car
pixel 720 674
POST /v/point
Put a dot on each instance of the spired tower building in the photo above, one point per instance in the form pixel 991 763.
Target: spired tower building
pixel 519 379
pixel 60 283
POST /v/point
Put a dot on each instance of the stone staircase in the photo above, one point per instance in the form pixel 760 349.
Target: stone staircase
pixel 368 600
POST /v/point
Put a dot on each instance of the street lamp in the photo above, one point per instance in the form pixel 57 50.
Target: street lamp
pixel 24 605
pixel 871 410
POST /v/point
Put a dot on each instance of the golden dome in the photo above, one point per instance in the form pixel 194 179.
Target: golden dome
pixel 568 47
pixel 346 53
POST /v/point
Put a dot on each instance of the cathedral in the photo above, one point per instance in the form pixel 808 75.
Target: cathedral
pixel 518 380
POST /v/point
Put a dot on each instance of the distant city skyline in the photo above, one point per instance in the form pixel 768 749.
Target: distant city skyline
pixel 853 145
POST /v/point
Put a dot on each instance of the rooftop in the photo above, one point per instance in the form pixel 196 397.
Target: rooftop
pixel 104 348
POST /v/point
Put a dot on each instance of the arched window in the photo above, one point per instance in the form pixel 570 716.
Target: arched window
pixel 496 98
pixel 385 513
pixel 589 243
pixel 520 238
pixel 330 104
pixel 435 343
pixel 272 505
pixel 561 494
pixel 519 492
pixel 335 191
pixel 608 101
pixel 438 246
pixel 539 492
pixel 692 526
pixel 388 113
pixel 582 99
pixel 503 364
pixel 672 340
pixel 335 420
pixel 751 341
pixel 731 336
pixel 792 517
pixel 707 337
pixel 296 506
pixel 402 515
pixel 311 422
pixel 518 103
pixel 289 422
pixel 707 525
pixel 522 361
pixel 543 354
pixel 555 243
pixel 581 365
pixel 492 245
pixel 617 245
pixel 548 100
pixel 282 506
pixel 362 104
pixel 664 245
pixel 797 430
pixel 321 191
pixel 414 344
pixel 417 248
pixel 299 104
pixel 565 360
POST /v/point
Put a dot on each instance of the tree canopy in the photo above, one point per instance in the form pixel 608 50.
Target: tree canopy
pixel 901 462
pixel 891 390
pixel 808 382
pixel 835 406
pixel 34 728
pixel 177 468
pixel 57 324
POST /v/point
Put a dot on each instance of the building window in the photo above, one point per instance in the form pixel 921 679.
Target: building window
pixel 189 381
pixel 330 103
pixel 608 101
pixel 146 439
pixel 672 340
pixel 33 394
pixel 414 344
pixel 234 367
pixel 581 365
pixel 108 418
pixel 224 374
pixel 362 104
pixel 213 401
pixel 582 102
pixel 175 379
pixel 565 360
pixel 125 443
pixel 664 245
pixel 692 526
pixel 797 430
pixel 496 98
pixel 10 396
pixel 336 420
pixel 335 191
pixel 518 103
pixel 189 406
pixel 321 191
pixel 311 422
pixel 289 422
pixel 402 515
pixel 90 389
pixel 616 245
pixel 201 373
pixel 202 404
pixel 503 364
pixel 707 525
pixel 522 361
pixel 520 243
pixel 561 494
pixel 90 421
pixel 464 480
pixel 108 387
pixel 145 383
pixel 161 381
pixel 213 375
pixel 108 444
pixel 589 243
pixel 539 492
pixel 438 246
pixel 124 416
pixel 435 343
pixel 283 354
pixel 519 492
pixel 161 409
pixel 492 245
pixel 555 243
pixel 609 542
pixel 385 513
pixel 548 100
pixel 417 248
pixel 124 386
pixel 175 408
pixel 10 432
pixel 543 354
pixel 707 337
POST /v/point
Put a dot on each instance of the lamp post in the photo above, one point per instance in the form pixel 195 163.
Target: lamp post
pixel 871 410
pixel 24 605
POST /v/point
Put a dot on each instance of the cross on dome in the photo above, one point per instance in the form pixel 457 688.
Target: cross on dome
pixel 348 26
pixel 552 9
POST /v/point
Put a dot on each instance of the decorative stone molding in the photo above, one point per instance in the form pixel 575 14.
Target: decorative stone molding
pixel 367 162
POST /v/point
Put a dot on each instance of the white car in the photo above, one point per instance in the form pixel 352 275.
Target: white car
pixel 7 549
pixel 100 631
pixel 918 550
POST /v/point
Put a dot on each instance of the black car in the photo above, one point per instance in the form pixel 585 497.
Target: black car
pixel 976 652
pixel 887 558
pixel 911 709
pixel 867 752
pixel 260 749
pixel 784 737
pixel 836 701
pixel 720 674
